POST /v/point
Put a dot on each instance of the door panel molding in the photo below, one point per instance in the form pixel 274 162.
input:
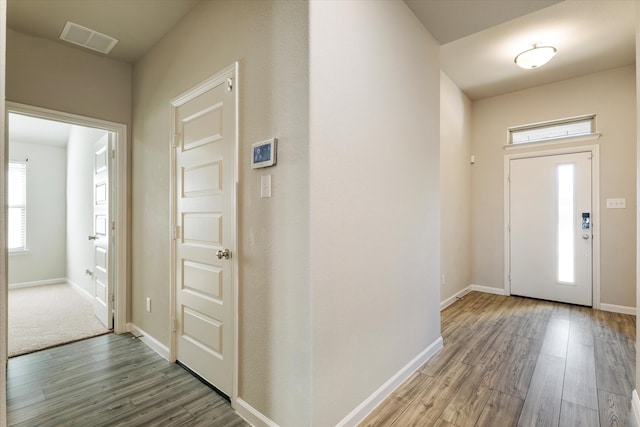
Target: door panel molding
pixel 101 237
pixel 120 184
pixel 207 181
pixel 595 212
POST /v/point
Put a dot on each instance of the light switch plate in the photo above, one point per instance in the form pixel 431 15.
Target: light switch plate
pixel 265 186
pixel 616 203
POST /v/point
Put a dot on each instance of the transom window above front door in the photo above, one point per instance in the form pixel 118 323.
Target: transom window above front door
pixel 552 130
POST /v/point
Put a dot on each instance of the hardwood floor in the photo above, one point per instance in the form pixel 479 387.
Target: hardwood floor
pixel 506 361
pixel 112 380
pixel 510 361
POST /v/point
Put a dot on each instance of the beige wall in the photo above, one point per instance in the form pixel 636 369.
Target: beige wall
pixel 611 96
pixel 46 74
pixel 269 40
pixel 637 192
pixel 375 211
pixel 52 75
pixel 455 188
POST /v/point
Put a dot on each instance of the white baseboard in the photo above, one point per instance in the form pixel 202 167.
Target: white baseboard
pixel 37 283
pixel 604 307
pixel 488 289
pixel 150 341
pixel 446 303
pixel 252 415
pixel 79 289
pixel 246 411
pixel 635 407
pixel 618 309
pixel 385 390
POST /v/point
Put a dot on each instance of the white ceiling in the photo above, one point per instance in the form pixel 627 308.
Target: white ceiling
pixel 479 38
pixel 590 36
pixel 32 130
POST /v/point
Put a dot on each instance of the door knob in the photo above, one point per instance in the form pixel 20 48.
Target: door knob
pixel 94 237
pixel 585 236
pixel 226 254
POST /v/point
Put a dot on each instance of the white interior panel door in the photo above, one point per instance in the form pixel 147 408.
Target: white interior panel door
pixel 205 233
pixel 550 223
pixel 102 280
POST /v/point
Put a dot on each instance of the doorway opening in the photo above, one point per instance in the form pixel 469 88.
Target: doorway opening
pixel 67 228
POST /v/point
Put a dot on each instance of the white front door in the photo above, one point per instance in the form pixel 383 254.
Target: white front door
pixel 102 284
pixel 551 228
pixel 204 198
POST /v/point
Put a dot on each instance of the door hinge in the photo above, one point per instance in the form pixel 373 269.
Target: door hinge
pixel 113 154
pixel 174 325
pixel 229 84
pixel 113 225
pixel 175 232
pixel 174 140
pixel 112 297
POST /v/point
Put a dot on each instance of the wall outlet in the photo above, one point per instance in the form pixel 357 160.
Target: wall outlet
pixel 148 305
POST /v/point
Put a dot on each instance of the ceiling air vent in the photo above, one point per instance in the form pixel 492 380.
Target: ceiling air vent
pixel 85 37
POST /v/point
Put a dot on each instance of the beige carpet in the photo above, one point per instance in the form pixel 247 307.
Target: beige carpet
pixel 47 316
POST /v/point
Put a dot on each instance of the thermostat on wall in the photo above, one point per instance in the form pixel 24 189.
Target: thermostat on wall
pixel 263 154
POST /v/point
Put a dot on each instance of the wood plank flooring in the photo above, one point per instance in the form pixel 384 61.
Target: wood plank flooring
pixel 112 380
pixel 510 361
pixel 506 361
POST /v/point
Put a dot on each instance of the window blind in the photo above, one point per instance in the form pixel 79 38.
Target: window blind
pixel 17 206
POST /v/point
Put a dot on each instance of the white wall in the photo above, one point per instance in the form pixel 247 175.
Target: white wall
pixel 375 210
pixel 455 188
pixel 46 213
pixel 269 40
pixel 611 96
pixel 80 158
pixel 3 248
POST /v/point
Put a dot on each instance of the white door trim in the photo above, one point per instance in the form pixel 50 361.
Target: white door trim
pixel 185 97
pixel 595 213
pixel 120 183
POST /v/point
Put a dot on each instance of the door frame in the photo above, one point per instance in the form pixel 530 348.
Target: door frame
pixel 185 97
pixel 594 149
pixel 120 184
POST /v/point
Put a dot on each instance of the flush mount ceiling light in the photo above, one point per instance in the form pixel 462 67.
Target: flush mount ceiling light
pixel 535 57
